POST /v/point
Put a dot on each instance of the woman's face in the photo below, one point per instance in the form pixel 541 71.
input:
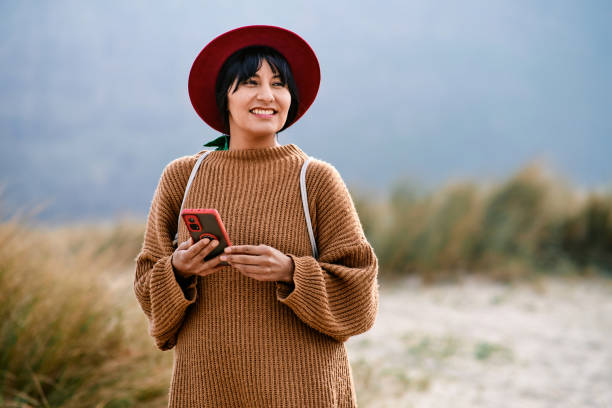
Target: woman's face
pixel 259 107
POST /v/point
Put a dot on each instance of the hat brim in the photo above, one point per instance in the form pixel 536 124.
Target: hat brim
pixel 203 76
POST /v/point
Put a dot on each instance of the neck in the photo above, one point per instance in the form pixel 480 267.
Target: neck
pixel 241 143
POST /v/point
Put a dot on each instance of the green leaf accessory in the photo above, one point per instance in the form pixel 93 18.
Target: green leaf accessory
pixel 221 143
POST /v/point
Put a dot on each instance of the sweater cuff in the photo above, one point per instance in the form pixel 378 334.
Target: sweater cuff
pixel 169 298
pixel 188 285
pixel 304 281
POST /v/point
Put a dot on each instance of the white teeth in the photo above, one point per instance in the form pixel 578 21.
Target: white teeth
pixel 263 111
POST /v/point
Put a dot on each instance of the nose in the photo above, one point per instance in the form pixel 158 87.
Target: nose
pixel 265 93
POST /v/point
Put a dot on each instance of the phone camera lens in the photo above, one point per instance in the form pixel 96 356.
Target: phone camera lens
pixel 191 219
pixel 194 227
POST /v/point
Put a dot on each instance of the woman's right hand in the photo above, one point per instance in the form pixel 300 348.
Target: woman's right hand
pixel 188 258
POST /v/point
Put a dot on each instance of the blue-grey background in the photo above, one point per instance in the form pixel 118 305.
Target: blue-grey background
pixel 94 94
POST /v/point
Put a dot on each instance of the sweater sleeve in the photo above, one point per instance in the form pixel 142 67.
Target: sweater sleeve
pixel 338 293
pixel 162 298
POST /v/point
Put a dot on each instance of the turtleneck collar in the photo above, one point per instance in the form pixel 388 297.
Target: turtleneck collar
pixel 264 154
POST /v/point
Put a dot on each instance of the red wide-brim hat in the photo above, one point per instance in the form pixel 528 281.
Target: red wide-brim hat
pixel 203 76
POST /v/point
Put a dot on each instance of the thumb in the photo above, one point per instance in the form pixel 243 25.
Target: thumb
pixel 186 244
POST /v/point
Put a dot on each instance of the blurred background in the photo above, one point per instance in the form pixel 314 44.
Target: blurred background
pixel 94 95
pixel 474 136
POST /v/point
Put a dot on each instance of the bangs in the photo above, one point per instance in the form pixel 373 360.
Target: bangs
pixel 253 62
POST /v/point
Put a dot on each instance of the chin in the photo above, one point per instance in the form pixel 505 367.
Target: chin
pixel 258 130
pixel 261 132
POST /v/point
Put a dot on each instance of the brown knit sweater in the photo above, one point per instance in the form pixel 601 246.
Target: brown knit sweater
pixel 247 343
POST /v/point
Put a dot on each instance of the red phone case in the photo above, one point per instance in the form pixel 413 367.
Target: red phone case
pixel 206 223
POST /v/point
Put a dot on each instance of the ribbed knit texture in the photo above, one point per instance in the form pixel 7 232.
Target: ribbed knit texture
pixel 246 343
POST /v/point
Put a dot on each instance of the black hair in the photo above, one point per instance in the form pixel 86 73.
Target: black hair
pixel 245 63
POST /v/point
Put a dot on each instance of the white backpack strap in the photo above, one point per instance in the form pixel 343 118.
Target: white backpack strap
pixel 313 243
pixel 194 171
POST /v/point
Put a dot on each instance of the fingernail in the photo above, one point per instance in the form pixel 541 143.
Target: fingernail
pixel 215 243
pixel 227 250
pixel 223 258
pixel 206 240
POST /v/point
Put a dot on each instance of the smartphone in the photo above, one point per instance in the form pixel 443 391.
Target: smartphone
pixel 206 223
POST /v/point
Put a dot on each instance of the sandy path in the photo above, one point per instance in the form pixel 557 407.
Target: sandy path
pixel 484 344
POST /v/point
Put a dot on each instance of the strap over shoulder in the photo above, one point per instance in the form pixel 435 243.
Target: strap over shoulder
pixel 304 194
pixel 194 171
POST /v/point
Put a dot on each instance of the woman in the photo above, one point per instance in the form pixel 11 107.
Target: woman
pixel 267 330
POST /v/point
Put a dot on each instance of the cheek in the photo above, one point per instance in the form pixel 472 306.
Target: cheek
pixel 236 101
pixel 286 101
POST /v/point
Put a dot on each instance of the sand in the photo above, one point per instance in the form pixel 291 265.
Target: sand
pixel 546 342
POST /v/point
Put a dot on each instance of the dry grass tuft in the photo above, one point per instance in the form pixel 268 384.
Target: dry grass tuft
pixel 67 337
pixel 533 222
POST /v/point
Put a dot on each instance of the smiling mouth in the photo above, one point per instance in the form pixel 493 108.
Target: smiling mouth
pixel 259 111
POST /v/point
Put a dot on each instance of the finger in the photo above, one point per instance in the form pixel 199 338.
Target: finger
pixel 255 272
pixel 214 263
pixel 209 271
pixel 195 249
pixel 207 249
pixel 243 259
pixel 211 263
pixel 252 269
pixel 247 249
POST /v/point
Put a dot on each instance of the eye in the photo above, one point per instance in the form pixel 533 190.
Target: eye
pixel 278 84
pixel 250 81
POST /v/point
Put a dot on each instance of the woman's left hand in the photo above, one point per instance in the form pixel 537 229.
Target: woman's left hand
pixel 261 262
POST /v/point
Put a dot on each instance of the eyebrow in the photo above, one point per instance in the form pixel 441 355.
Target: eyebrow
pixel 257 75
